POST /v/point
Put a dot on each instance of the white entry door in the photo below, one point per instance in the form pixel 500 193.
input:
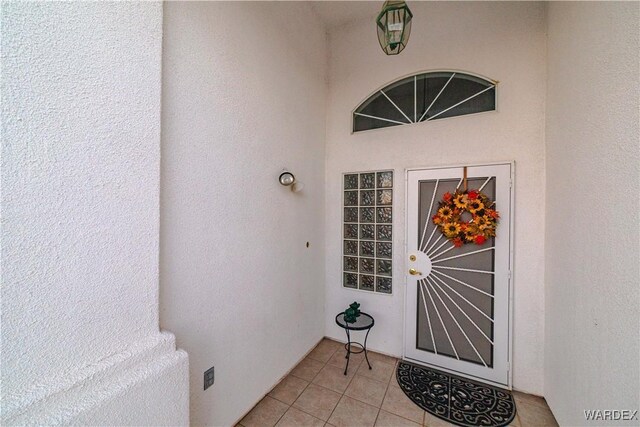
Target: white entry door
pixel 457 312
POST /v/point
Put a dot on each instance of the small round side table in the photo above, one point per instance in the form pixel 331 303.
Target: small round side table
pixel 364 322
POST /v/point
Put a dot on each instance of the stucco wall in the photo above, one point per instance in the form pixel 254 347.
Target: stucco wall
pixel 592 244
pixel 80 207
pixel 243 96
pixel 503 41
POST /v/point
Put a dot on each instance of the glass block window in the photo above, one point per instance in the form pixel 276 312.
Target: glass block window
pixel 425 97
pixel 367 231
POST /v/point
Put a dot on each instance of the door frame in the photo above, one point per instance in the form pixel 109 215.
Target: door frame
pixel 405 265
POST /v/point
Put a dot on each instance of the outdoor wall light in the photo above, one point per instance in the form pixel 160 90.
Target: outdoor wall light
pixel 394 26
pixel 288 180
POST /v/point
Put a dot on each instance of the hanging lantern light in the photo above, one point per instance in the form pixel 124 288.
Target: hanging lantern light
pixel 394 26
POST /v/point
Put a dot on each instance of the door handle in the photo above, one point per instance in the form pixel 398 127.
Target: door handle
pixel 414 272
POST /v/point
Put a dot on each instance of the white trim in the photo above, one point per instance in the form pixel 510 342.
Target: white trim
pixel 437 96
pixel 427 71
pixel 461 310
pixel 461 102
pixel 438 248
pixel 458 324
pixel 443 252
pixel 435 242
pixel 512 166
pixel 424 302
pixel 426 223
pixel 440 119
pixel 397 108
pixel 458 165
pixel 484 185
pixel 461 282
pixel 465 299
pixel 503 376
pixel 423 287
pixel 380 118
pixel 464 269
pixel 415 98
pixel 461 255
pixel 415 74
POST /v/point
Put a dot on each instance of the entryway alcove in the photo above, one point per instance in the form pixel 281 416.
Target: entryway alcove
pixel 150 250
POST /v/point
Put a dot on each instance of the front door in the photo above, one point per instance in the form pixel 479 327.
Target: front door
pixel 457 315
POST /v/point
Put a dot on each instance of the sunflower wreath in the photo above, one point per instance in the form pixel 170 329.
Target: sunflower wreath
pixel 449 218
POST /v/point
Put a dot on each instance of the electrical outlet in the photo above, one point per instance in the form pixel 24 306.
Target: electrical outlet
pixel 208 378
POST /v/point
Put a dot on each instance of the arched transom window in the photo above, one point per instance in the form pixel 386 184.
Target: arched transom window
pixel 424 97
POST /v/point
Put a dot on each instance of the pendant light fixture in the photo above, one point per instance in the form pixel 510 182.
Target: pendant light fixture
pixel 394 26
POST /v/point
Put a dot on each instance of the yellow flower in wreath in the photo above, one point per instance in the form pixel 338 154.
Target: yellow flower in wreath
pixel 460 201
pixel 481 222
pixel 451 229
pixel 445 212
pixel 471 232
pixel 475 206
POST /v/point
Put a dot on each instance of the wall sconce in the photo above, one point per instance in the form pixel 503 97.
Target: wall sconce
pixel 289 180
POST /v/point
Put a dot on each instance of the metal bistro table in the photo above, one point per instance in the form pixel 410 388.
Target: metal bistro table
pixel 364 322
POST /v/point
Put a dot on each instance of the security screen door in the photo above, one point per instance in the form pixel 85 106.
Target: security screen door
pixel 457 299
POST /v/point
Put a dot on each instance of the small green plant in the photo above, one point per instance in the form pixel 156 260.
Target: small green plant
pixel 351 314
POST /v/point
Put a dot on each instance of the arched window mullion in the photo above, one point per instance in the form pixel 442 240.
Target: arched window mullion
pixel 461 102
pixel 437 96
pixel 391 105
pixel 380 118
pixel 397 108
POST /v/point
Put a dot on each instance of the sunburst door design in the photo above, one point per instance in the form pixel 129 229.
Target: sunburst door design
pixel 425 97
pixel 458 297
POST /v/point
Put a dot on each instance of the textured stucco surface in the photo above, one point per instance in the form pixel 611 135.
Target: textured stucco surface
pixel 243 97
pixel 145 384
pixel 80 199
pixel 593 235
pixel 503 41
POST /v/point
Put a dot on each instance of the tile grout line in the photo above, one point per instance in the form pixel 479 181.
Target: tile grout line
pixel 345 389
pixel 401 416
pixel 383 396
pixel 325 364
pixel 362 401
pixel 239 422
pixel 311 382
pixel 386 392
pixel 287 410
pixel 343 393
pixel 307 386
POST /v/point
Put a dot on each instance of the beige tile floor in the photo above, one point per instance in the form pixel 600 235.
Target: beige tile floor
pixel 316 393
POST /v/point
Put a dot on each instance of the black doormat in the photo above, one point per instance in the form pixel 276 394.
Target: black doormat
pixel 455 399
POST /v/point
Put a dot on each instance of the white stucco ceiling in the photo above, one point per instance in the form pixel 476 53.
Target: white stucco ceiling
pixel 336 13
